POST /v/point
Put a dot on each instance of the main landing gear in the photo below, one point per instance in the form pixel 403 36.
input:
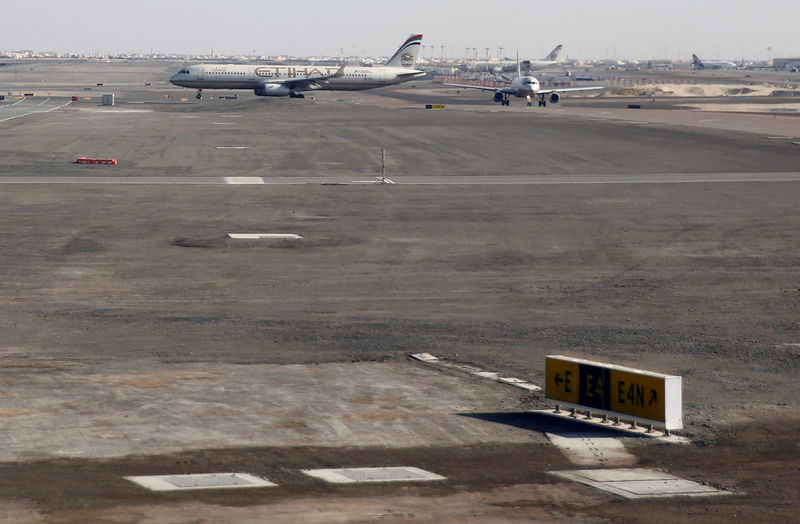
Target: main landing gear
pixel 199 94
pixel 501 98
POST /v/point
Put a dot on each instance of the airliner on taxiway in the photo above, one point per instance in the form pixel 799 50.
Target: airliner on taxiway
pixel 292 79
pixel 524 86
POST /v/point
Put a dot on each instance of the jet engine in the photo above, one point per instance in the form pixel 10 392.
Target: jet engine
pixel 498 96
pixel 272 90
pixel 554 98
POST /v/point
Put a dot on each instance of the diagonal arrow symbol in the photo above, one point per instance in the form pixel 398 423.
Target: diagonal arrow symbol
pixel 653 397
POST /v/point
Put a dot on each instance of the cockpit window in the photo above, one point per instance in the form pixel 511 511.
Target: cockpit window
pixel 184 71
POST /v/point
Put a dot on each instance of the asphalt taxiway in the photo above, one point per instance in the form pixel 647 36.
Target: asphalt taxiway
pixel 635 178
pixel 26 106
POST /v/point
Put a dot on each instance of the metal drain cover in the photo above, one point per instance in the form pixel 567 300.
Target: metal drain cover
pixel 356 475
pixel 200 481
pixel 639 483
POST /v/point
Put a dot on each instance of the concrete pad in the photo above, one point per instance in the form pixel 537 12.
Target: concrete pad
pixel 639 483
pixel 139 407
pixel 200 481
pixel 360 475
pixel 592 449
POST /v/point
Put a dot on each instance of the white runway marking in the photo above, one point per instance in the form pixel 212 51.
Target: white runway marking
pixel 15 103
pixel 244 180
pixel 265 236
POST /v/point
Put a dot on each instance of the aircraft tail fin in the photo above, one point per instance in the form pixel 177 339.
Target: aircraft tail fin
pixel 554 53
pixel 407 54
pixel 696 61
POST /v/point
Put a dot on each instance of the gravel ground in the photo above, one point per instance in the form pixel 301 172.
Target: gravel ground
pixel 699 280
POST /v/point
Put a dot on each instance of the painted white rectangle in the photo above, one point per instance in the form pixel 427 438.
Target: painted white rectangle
pixel 265 236
pixel 425 357
pixel 361 475
pixel 200 481
pixel 492 375
pixel 244 180
pixel 639 483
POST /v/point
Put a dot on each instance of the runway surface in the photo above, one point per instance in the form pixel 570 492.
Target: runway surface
pixel 640 178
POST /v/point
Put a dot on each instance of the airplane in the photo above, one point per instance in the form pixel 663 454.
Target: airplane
pixel 548 61
pixel 699 64
pixel 509 66
pixel 292 79
pixel 524 86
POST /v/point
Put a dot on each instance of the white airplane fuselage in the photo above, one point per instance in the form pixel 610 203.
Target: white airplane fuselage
pixel 526 86
pixel 234 76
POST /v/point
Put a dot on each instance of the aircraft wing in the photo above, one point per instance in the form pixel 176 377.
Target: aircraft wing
pixel 310 82
pixel 569 90
pixel 506 90
pixel 410 73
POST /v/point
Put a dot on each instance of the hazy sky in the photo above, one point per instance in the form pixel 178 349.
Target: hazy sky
pixel 726 29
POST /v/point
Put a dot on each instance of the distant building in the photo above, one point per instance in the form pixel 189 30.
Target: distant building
pixel 660 65
pixel 786 63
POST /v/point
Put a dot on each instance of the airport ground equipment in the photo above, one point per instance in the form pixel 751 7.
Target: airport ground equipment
pixel 103 161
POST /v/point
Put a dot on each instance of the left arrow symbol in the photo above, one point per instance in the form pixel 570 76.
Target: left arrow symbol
pixel 558 380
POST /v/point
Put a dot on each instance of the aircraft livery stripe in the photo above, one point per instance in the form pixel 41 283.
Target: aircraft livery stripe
pixel 416 38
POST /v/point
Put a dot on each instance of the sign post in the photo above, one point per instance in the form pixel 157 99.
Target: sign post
pixel 644 396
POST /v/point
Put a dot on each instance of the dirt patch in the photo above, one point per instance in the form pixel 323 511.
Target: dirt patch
pixel 81 245
pixel 484 483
